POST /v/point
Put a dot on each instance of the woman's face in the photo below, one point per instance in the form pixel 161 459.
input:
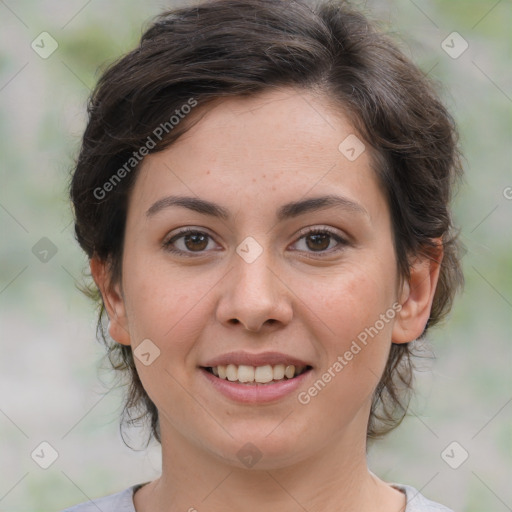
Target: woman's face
pixel 277 279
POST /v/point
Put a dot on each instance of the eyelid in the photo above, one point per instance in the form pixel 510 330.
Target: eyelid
pixel 166 242
pixel 319 227
pixel 342 239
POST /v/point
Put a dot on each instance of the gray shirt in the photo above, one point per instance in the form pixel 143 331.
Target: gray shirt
pixel 123 502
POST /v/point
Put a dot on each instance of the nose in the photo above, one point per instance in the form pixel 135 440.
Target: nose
pixel 254 295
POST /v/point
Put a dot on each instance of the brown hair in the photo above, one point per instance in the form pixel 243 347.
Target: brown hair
pixel 226 48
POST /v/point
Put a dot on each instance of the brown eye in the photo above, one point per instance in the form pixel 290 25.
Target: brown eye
pixel 188 241
pixel 321 241
pixel 195 242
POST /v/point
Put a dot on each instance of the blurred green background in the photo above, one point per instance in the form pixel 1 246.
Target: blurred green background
pixel 51 389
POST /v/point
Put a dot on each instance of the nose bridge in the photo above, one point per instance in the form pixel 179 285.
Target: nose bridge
pixel 254 294
pixel 253 263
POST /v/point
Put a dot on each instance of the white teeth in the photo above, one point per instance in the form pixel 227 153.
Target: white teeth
pixel 260 374
pixel 263 374
pixel 245 373
pixel 290 371
pixel 231 372
pixel 279 371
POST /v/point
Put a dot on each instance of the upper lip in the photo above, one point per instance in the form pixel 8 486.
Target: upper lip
pixel 261 359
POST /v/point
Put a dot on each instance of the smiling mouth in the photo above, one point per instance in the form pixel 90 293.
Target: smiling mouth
pixel 253 375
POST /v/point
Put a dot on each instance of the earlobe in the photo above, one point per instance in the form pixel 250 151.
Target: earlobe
pixel 113 301
pixel 417 296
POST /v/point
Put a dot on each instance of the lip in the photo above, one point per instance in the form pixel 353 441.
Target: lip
pixel 261 359
pixel 255 393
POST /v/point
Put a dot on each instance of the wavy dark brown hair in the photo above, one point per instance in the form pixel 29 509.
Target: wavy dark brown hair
pixel 221 48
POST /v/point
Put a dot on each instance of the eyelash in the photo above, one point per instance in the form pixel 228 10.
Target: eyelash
pixel 303 234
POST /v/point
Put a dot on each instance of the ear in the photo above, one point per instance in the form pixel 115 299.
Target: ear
pixel 417 295
pixel 113 300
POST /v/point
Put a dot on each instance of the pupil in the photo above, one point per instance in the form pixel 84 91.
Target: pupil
pixel 195 237
pixel 322 238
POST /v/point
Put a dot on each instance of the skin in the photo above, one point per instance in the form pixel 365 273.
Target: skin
pixel 252 155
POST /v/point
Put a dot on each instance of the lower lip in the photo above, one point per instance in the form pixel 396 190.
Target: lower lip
pixel 255 393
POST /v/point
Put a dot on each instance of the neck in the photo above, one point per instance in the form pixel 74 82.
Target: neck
pixel 335 479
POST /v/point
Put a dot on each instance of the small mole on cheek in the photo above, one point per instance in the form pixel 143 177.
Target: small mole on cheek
pixel 207 172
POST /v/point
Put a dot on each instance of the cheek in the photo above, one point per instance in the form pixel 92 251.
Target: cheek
pixel 352 299
pixel 169 308
pixel 165 304
pixel 357 336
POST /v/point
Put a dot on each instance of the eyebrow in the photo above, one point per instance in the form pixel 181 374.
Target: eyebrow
pixel 287 211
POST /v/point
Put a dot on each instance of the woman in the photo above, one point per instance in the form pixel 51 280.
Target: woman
pixel 263 191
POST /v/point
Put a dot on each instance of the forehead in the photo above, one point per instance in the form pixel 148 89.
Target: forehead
pixel 274 146
pixel 273 120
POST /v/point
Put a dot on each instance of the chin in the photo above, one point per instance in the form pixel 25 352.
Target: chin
pixel 254 449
